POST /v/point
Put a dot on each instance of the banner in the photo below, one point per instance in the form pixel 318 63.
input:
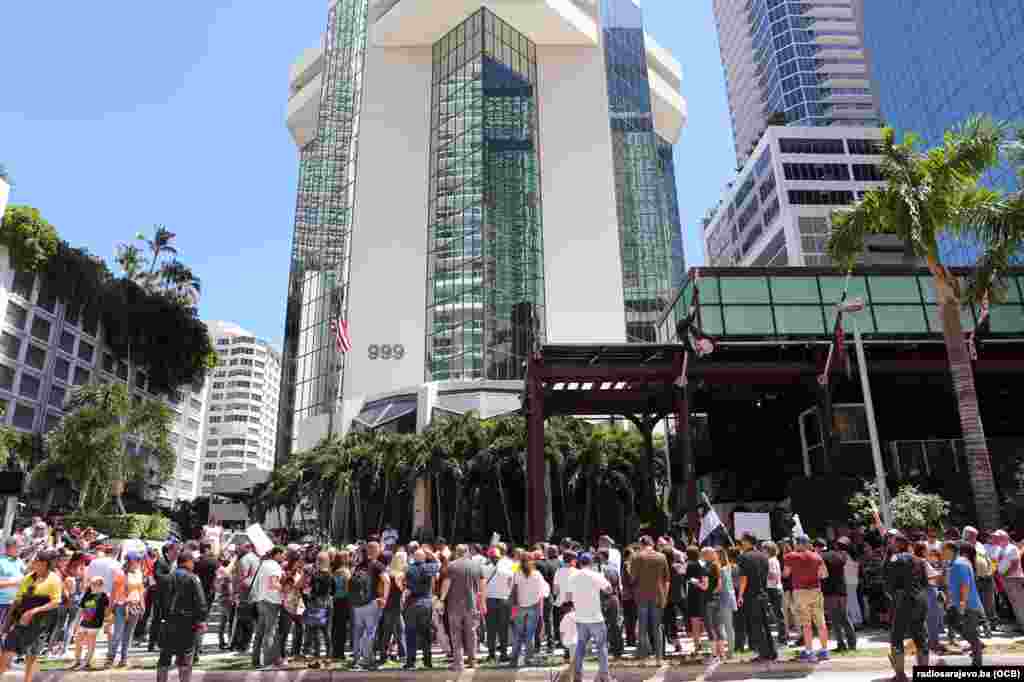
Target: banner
pixel 260 541
pixel 758 524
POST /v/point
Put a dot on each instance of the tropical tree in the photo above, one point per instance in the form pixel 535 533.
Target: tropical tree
pixel 155 267
pixel 90 444
pixel 930 194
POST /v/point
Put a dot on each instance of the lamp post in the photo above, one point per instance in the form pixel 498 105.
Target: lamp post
pixel 852 306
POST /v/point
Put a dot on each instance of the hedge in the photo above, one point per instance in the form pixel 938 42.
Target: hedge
pixel 143 526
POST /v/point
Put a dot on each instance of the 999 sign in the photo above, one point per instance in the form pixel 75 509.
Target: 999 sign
pixel 386 351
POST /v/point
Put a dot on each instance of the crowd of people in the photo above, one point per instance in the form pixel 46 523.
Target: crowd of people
pixel 380 600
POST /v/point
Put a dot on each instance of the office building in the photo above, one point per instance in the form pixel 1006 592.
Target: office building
pixel 48 348
pixel 803 60
pixel 778 210
pixel 937 63
pixel 240 432
pixel 476 177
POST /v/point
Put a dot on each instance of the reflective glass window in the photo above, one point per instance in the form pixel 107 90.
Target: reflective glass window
pixel 1006 318
pixel 832 289
pixel 744 319
pixel 710 319
pixel 894 290
pixel 901 319
pixel 744 289
pixel 799 319
pixel 795 290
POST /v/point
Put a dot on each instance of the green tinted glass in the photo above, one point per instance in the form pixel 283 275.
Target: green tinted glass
pixel 745 319
pixel 744 290
pixel 799 319
pixel 927 288
pixel 1013 294
pixel 832 289
pixel 708 287
pixel 894 290
pixel 1006 319
pixel 901 319
pixel 795 290
pixel 710 319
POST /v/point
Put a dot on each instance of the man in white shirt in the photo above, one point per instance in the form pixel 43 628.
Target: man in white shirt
pixel 1008 555
pixel 614 556
pixel 266 594
pixel 561 586
pixel 584 590
pixel 498 587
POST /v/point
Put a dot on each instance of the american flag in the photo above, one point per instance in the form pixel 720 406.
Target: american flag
pixel 342 340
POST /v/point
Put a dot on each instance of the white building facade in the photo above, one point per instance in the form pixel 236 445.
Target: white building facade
pixel 476 177
pixel 240 431
pixel 778 210
pixel 48 348
pixel 805 60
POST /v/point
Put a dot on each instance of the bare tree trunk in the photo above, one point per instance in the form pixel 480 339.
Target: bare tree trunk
pixel 588 510
pixel 979 465
pixel 504 507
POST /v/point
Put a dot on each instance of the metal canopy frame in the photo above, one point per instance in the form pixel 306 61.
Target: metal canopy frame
pixel 636 380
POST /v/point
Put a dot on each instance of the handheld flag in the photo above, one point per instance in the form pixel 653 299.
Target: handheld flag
pixel 798 528
pixel 708 525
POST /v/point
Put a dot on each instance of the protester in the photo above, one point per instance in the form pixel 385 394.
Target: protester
pixel 419 584
pixel 651 579
pixel 186 610
pixel 94 610
pixel 265 593
pixel 834 590
pixel 907 581
pixel 962 596
pixel 528 591
pixel 29 617
pixel 368 592
pixel 807 570
pixel 585 590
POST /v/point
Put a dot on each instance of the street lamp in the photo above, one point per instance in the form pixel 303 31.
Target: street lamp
pixel 852 306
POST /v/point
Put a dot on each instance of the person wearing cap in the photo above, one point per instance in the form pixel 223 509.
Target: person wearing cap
pixel 614 555
pixel 1009 565
pixel 133 599
pixel 186 609
pixel 12 571
pixel 807 570
pixel 964 606
pixel 983 577
pixel 906 579
pixel 585 590
pixel 28 620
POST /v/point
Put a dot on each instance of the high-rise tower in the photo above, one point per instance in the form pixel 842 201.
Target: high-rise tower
pixel 802 63
pixel 476 177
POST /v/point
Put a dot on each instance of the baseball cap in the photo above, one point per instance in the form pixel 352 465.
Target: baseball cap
pixel 586 558
pixel 802 540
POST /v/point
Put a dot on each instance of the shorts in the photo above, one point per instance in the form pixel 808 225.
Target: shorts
pixel 29 640
pixel 810 607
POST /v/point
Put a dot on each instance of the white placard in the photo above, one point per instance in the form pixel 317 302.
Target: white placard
pixel 757 523
pixel 260 542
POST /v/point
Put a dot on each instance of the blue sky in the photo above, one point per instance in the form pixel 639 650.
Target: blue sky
pixel 117 115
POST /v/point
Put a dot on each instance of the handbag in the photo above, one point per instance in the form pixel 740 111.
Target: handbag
pixel 316 617
pixel 246 611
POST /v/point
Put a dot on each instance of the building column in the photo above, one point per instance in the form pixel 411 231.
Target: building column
pixel 681 407
pixel 535 489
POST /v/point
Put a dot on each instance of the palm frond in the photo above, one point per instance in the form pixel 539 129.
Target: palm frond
pixel 849 229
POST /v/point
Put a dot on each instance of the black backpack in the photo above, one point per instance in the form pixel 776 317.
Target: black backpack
pixel 360 587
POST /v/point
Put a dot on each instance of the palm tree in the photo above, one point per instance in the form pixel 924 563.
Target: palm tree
pixel 929 194
pixel 163 273
pixel 505 442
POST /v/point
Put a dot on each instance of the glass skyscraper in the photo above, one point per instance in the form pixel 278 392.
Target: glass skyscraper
pixel 516 186
pixel 937 63
pixel 646 202
pixel 802 61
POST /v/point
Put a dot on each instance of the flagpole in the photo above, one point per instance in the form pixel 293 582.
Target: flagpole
pixel 724 527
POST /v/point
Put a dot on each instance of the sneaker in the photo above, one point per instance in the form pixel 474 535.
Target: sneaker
pixel 823 655
pixel 806 656
pixel 77 665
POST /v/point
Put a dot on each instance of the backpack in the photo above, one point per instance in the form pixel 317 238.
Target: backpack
pixel 360 587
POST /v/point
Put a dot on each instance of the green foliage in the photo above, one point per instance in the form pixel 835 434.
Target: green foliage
pixel 124 526
pixel 88 446
pixel 911 509
pixel 152 315
pixel 30 240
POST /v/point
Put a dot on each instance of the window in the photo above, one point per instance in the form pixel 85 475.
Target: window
pixel 46 300
pixel 16 316
pixel 81 376
pixel 10 345
pixel 35 357
pixel 196 405
pixel 188 463
pixel 191 444
pixel 223 342
pixel 85 351
pixel 794 146
pixel 820 198
pixel 867 172
pixel 122 370
pixel 828 172
pixel 209 479
pixel 24 416
pixel 6 377
pixel 61 369
pixel 57 396
pixel 210 466
pixel 23 284
pixel 29 386
pixel 67 344
pixel 140 380
pixel 871 147
pixel 211 441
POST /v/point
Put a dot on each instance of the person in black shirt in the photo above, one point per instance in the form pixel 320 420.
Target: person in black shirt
pixel 834 590
pixel 185 612
pixel 162 573
pixel 753 599
pixel 547 568
pixel 419 585
pixel 907 581
pixel 94 609
pixel 318 607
